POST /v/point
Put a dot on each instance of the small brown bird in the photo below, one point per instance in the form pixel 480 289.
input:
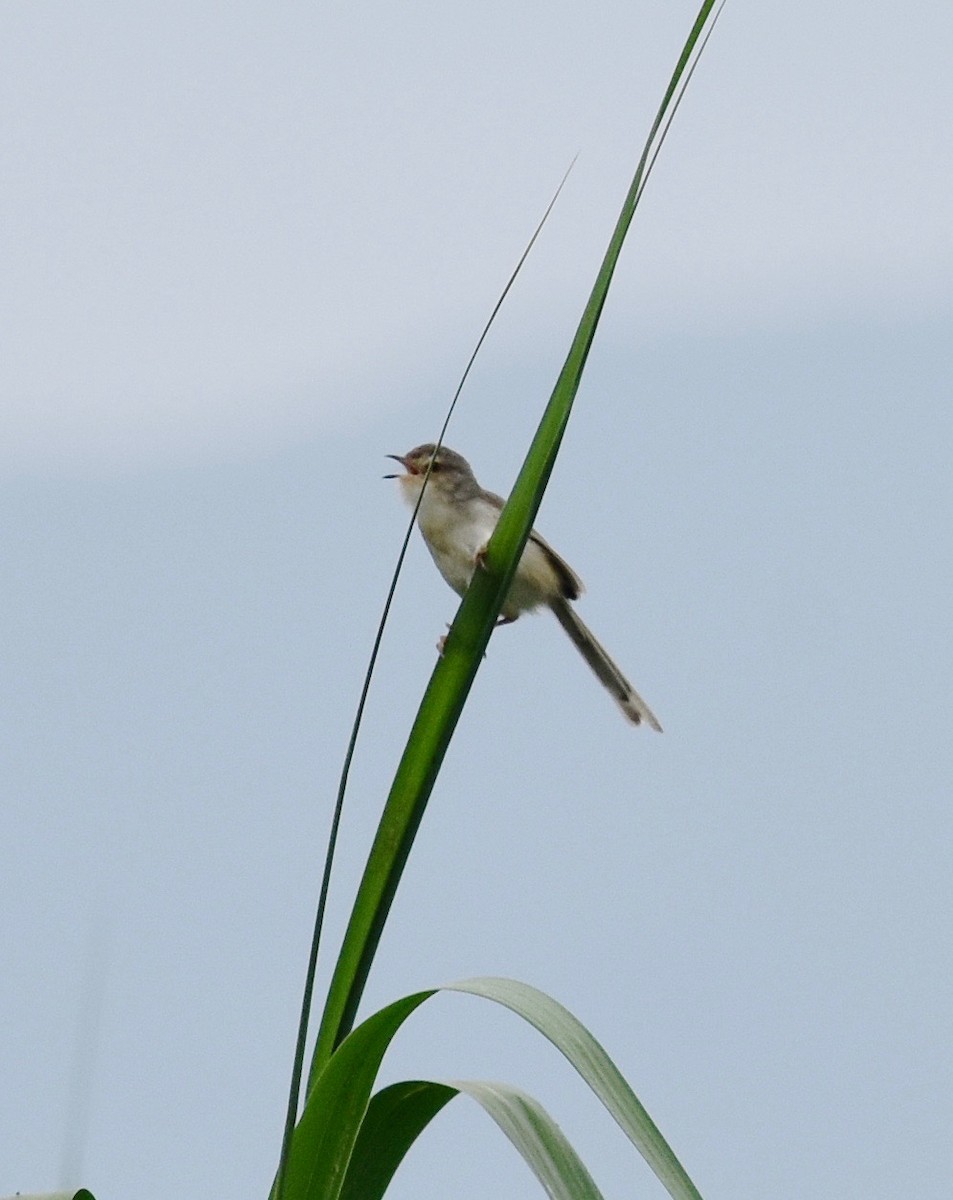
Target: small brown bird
pixel 457 517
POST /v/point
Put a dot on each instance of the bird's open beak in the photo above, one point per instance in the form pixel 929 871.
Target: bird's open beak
pixel 403 462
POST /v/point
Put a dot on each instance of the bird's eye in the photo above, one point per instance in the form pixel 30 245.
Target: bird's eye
pixel 435 466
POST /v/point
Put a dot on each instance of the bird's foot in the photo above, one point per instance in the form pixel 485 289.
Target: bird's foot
pixel 442 640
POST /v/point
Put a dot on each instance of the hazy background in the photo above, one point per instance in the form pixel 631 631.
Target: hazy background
pixel 246 251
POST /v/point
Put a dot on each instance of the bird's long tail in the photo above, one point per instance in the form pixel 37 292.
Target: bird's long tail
pixel 608 674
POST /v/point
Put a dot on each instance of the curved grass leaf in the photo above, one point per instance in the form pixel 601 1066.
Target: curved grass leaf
pixel 304 1019
pixel 395 1118
pixel 324 1138
pixel 454 673
pixel 398 1114
pixel 537 1137
pixel 574 1040
pixel 348 1145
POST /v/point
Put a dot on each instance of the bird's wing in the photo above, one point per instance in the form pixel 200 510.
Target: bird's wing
pixel 570 584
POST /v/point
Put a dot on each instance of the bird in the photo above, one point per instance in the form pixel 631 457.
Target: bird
pixel 457 517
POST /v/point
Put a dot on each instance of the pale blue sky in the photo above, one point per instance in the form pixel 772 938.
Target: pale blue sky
pixel 247 251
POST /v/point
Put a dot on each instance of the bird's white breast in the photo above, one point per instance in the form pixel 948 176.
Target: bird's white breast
pixel 455 534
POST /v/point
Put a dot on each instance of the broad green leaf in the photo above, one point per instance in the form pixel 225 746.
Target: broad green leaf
pixel 348 1145
pixel 455 671
pixel 324 1138
pixel 398 1114
pixel 395 1118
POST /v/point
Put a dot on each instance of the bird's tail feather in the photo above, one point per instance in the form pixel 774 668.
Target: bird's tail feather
pixel 608 674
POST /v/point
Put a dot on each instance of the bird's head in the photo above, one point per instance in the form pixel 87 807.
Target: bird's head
pixel 449 472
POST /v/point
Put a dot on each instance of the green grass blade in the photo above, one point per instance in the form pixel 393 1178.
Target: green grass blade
pixel 517 517
pixel 348 1145
pixel 454 674
pixel 534 1133
pixel 398 1114
pixel 324 1138
pixel 588 1057
pixel 291 1110
pixel 395 1118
